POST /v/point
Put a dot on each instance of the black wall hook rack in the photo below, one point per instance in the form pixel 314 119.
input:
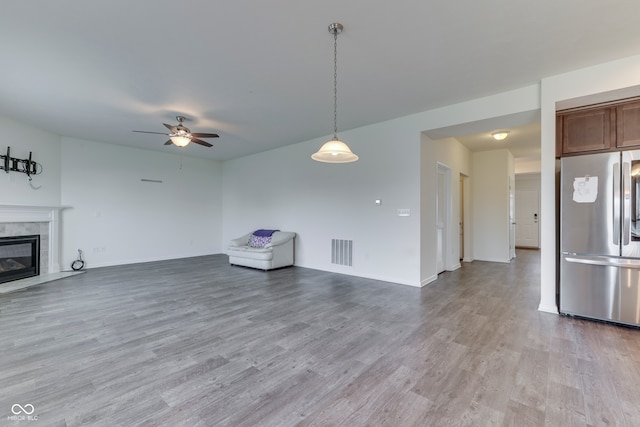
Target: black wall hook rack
pixel 8 163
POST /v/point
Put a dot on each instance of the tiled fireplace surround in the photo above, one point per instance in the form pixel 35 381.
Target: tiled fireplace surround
pixel 28 220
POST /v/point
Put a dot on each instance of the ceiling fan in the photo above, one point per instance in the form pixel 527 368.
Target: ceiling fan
pixel 181 135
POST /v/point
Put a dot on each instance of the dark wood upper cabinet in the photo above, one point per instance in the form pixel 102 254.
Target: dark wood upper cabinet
pixel 588 130
pixel 610 126
pixel 628 125
pixel 558 136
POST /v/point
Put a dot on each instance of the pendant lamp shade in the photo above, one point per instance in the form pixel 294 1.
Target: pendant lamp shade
pixel 335 151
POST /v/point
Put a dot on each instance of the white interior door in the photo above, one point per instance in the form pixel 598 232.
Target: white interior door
pixel 527 224
pixel 440 220
pixel 512 218
pixel 461 218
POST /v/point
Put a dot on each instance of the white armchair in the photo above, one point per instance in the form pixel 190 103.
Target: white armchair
pixel 275 254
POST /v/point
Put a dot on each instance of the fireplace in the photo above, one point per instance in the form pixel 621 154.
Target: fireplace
pixel 22 220
pixel 19 257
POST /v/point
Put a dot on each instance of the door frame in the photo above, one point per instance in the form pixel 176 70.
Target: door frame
pixel 448 262
pixel 464 211
pixel 537 222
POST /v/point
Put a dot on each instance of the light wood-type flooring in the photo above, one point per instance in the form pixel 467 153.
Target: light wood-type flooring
pixel 196 342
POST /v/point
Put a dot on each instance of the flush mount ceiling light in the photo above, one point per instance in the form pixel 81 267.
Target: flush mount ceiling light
pixel 499 135
pixel 335 151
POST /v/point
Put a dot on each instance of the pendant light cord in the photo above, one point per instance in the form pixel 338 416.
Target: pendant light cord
pixel 335 151
pixel 335 84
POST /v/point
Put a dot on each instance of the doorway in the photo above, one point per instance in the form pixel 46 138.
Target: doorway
pixel 443 213
pixel 527 224
pixel 512 217
pixel 461 257
pixel 460 147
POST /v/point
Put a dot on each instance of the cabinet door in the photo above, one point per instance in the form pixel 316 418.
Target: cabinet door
pixel 588 130
pixel 559 136
pixel 628 125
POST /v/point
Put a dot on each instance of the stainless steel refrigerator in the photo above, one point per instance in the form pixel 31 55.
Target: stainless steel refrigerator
pixel 600 236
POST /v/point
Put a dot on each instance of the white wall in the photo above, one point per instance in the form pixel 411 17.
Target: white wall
pixel 428 218
pixel 458 157
pixel 492 172
pixel 45 148
pixel 527 166
pixel 287 190
pixel 455 156
pixel 116 218
pixel 610 76
pixel 113 216
pixel 528 181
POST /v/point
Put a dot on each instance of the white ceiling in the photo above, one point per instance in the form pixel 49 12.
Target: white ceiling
pixel 261 73
pixel 523 140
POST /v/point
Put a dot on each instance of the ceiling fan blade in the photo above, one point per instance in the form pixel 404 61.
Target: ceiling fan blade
pixel 205 135
pixel 168 142
pixel 201 142
pixel 144 131
pixel 173 129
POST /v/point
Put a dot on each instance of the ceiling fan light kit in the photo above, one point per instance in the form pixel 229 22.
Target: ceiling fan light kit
pixel 181 136
pixel 335 151
pixel 180 140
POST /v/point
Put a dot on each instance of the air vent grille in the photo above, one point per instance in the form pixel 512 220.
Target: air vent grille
pixel 342 252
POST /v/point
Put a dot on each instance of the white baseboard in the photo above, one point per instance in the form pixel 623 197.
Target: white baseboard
pixel 89 265
pixel 503 261
pixel 553 309
pixel 428 280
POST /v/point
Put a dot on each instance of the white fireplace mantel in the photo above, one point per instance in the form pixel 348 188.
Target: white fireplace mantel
pixel 48 214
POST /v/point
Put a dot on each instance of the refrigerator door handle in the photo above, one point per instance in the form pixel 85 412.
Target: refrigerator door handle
pixel 626 202
pixel 616 203
pixel 603 260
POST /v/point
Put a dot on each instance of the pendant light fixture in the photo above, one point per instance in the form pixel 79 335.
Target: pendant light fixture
pixel 335 151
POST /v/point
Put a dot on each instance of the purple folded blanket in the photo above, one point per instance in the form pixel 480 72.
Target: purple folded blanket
pixel 264 233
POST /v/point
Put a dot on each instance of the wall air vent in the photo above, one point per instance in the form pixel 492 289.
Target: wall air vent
pixel 342 252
